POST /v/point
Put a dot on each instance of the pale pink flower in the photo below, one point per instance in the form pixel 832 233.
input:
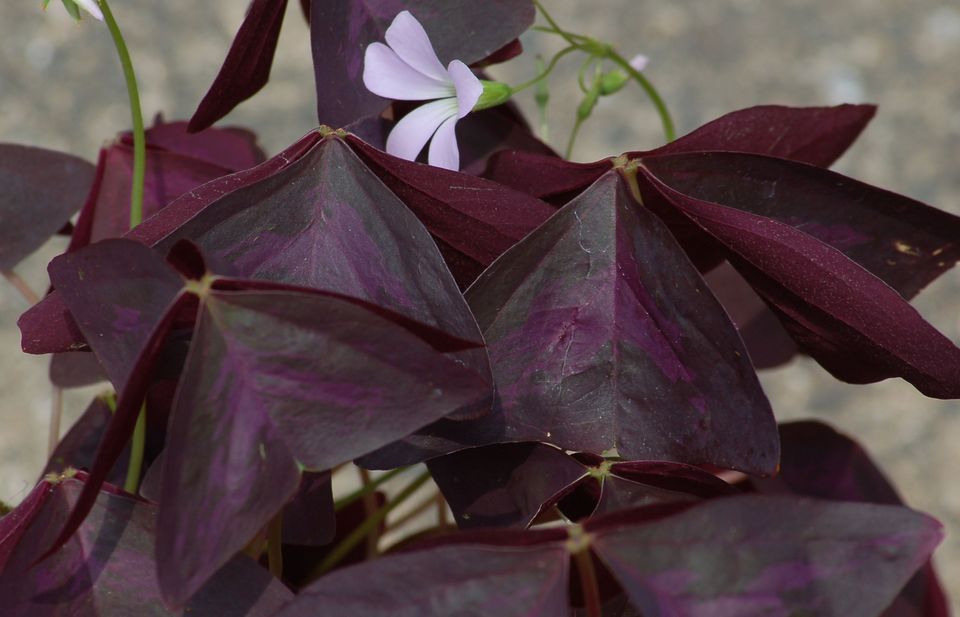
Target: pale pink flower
pixel 90 6
pixel 407 69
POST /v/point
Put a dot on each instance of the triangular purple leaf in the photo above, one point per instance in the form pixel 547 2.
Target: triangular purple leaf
pixel 850 321
pixel 276 378
pixel 41 190
pixel 472 220
pixel 177 162
pixel 903 242
pixel 819 462
pixel 108 569
pixel 308 519
pixel 756 555
pixel 511 484
pixel 814 135
pixel 504 485
pixel 467 581
pixel 247 66
pixel 595 326
pixel 117 292
pixel 766 339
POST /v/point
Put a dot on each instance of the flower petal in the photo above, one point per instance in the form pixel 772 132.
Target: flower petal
pixel 443 149
pixel 639 62
pixel 385 74
pixel 467 85
pixel 91 7
pixel 408 38
pixel 407 139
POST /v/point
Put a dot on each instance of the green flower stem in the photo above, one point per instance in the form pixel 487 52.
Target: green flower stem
pixel 603 51
pixel 567 36
pixel 132 482
pixel 366 489
pixel 668 129
pixel 136 115
pixel 56 413
pixel 553 62
pixel 136 208
pixel 346 545
pixel 573 136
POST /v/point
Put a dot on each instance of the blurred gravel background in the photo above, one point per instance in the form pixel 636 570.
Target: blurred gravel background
pixel 61 88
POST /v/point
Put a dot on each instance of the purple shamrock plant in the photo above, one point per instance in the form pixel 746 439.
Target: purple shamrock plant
pixel 532 344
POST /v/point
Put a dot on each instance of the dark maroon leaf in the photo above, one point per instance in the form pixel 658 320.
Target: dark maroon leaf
pixel 814 135
pixel 543 176
pixel 736 556
pixel 301 561
pixel 504 485
pixel 638 483
pixel 341 30
pixel 118 431
pixel 851 322
pixel 308 519
pixel 817 461
pixel 473 220
pixel 766 339
pixel 117 291
pixel 597 329
pixel 760 555
pixel 16 522
pixel 508 52
pixel 108 569
pixel 481 134
pixel 276 378
pixel 901 241
pixel 78 446
pixel 467 581
pixel 247 66
pixel 177 162
pixel 41 189
pixel 229 147
pixel 511 484
pixel 75 369
pixel 188 205
pixel 325 221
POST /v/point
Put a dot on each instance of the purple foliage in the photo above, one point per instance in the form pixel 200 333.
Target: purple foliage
pixel 558 341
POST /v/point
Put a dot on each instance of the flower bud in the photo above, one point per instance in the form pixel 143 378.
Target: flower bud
pixel 612 81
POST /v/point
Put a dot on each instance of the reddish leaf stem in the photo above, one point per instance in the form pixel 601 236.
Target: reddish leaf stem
pixel 21 285
pixel 588 582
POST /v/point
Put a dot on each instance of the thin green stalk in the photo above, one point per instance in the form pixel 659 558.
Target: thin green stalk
pixel 346 545
pixel 132 482
pixel 668 129
pixel 136 206
pixel 568 37
pixel 366 489
pixel 56 413
pixel 553 62
pixel 573 137
pixel 136 115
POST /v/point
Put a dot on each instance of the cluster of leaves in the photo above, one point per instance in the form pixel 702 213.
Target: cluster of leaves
pixel 546 335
